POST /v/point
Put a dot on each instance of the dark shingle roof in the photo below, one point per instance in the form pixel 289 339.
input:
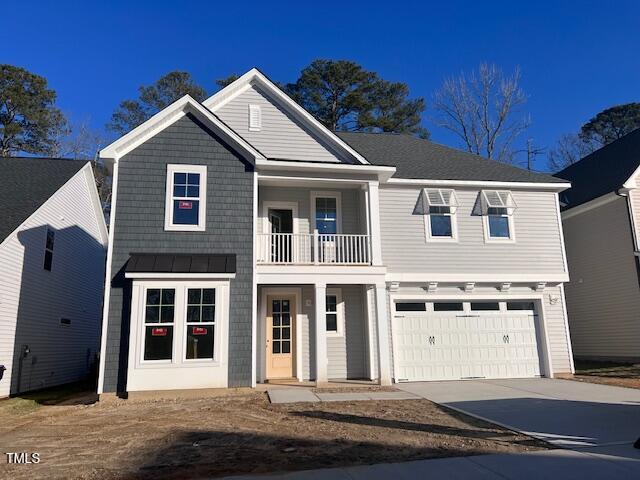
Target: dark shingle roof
pixel 604 171
pixel 181 263
pixel 26 183
pixel 417 158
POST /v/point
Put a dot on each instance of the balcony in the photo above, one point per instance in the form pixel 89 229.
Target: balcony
pixel 312 249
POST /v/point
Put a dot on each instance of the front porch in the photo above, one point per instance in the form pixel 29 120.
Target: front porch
pixel 347 345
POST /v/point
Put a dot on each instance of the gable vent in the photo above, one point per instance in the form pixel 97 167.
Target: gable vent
pixel 255 118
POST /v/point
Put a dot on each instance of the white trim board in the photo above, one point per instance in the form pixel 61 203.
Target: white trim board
pixel 480 183
pixel 257 78
pixel 477 277
pixel 168 116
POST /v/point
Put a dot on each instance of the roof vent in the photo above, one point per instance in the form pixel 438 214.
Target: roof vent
pixel 255 118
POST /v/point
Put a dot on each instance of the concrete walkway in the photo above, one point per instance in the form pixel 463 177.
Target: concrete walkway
pixel 561 464
pixel 283 394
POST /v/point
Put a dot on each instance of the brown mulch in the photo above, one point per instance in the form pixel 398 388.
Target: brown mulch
pixel 237 433
pixel 607 373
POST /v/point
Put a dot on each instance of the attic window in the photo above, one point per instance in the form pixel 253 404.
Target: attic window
pixel 255 118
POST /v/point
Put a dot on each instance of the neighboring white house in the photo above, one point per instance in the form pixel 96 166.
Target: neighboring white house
pixel 249 243
pixel 601 217
pixel 53 241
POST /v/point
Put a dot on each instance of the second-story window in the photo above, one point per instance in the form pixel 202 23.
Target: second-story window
pixel 48 249
pixel 327 215
pixel 498 207
pixel 441 205
pixel 186 200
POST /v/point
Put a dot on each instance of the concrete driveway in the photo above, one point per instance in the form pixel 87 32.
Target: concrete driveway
pixel 580 416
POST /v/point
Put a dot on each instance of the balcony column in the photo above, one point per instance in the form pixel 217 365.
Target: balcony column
pixel 384 351
pixel 374 223
pixel 321 332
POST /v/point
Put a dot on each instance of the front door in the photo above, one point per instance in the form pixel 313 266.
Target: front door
pixel 280 336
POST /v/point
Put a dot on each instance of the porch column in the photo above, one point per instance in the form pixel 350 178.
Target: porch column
pixel 374 224
pixel 321 332
pixel 384 363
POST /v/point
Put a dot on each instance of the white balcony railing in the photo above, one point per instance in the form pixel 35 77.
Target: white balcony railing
pixel 313 249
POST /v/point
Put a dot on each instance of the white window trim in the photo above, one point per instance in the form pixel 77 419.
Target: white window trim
pixel 214 324
pixel 487 236
pixel 340 313
pixel 510 206
pixel 454 229
pixel 143 325
pixel 178 355
pixel 320 194
pixel 202 210
pixel 255 109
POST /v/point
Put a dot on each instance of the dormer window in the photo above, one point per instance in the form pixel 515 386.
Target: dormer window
pixel 186 198
pixel 255 118
pixel 441 206
pixel 498 207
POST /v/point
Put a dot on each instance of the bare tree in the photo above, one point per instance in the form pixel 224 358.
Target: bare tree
pixel 569 149
pixel 482 109
pixel 80 142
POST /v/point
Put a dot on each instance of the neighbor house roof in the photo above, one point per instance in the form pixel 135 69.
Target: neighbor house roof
pixel 181 263
pixel 604 171
pixel 27 183
pixel 416 158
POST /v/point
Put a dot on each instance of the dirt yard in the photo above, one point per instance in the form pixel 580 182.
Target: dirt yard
pixel 608 373
pixel 234 433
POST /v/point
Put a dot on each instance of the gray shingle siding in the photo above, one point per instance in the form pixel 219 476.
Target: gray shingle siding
pixel 139 228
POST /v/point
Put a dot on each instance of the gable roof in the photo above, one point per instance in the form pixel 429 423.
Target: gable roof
pixel 603 171
pixel 256 77
pixel 416 158
pixel 168 116
pixel 27 183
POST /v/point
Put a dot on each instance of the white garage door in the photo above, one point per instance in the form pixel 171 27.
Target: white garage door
pixel 457 340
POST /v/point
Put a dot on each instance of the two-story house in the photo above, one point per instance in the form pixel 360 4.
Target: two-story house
pixel 249 243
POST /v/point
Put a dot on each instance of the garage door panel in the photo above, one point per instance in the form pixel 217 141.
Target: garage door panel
pixel 447 346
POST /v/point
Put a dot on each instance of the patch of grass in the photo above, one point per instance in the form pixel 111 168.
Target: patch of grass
pixel 30 402
pixel 19 406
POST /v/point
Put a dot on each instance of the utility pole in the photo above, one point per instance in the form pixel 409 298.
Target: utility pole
pixel 531 153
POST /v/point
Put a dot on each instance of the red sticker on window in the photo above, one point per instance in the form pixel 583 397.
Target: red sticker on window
pixel 185 205
pixel 199 331
pixel 158 332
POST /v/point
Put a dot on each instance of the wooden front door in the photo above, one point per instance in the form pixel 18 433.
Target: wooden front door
pixel 280 336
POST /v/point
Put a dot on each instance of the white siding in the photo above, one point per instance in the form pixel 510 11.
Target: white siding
pixel 554 314
pixel 537 248
pixel 603 296
pixel 32 300
pixel 281 135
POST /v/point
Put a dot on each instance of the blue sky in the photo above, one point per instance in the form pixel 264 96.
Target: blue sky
pixel 576 58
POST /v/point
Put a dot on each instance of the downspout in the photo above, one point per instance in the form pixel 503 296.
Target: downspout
pixel 624 193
